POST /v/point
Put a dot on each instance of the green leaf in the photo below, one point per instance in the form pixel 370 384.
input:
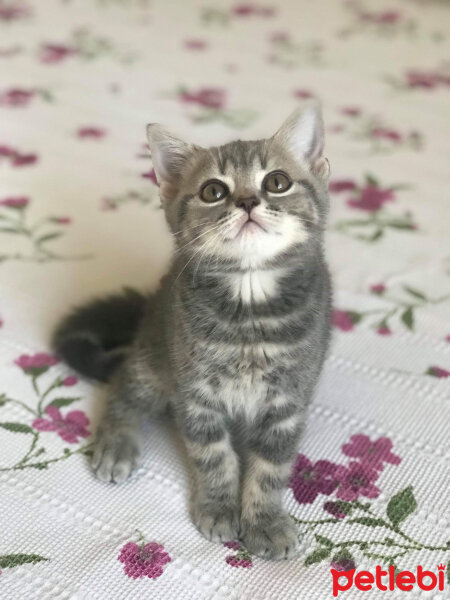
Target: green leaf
pixel 448 572
pixel 400 225
pixel 324 540
pixel 370 179
pixel 408 318
pixel 346 507
pixel 17 427
pixel 355 317
pixel 401 506
pixel 7 561
pixel 48 237
pixel 368 521
pixel 60 402
pixel 317 556
pixel 414 292
pixel 342 554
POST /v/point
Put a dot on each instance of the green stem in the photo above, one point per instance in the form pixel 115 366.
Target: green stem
pixel 54 385
pixel 20 403
pixel 32 447
pixel 20 467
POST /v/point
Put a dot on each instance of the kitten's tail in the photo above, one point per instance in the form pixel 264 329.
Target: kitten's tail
pixel 94 338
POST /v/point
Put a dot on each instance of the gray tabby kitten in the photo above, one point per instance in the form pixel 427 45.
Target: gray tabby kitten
pixel 235 338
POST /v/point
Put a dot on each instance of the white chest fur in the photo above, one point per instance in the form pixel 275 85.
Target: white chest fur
pixel 255 286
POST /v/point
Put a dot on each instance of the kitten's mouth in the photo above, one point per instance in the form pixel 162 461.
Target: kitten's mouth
pixel 250 226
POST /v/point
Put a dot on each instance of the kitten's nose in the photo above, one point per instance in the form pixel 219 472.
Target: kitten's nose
pixel 248 203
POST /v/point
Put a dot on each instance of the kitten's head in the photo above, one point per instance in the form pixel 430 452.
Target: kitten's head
pixel 247 202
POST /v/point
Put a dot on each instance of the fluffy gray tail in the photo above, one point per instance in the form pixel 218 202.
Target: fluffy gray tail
pixel 94 338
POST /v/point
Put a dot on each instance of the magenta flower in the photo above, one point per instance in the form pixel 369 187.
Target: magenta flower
pixel 69 428
pixel 146 560
pixel 384 331
pixel 16 97
pixel 351 111
pixel 421 79
pixel 13 12
pixel 371 198
pixel 303 94
pixel 150 175
pixel 17 202
pixel 342 319
pixel 334 509
pixel 95 133
pixel 22 160
pixel 195 44
pixel 342 185
pixel 438 372
pixel 356 480
pixel 207 97
pixel 447 338
pixel 232 545
pixel 344 564
pixel 248 10
pixel 36 363
pixel 54 53
pixel 378 288
pixel 374 454
pixel 388 134
pixel 69 381
pixel 308 479
pixel 234 561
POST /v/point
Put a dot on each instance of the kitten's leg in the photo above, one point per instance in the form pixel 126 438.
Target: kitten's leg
pixel 119 436
pixel 215 504
pixel 266 528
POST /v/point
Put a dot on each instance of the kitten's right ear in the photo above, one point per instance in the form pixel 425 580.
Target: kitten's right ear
pixel 169 153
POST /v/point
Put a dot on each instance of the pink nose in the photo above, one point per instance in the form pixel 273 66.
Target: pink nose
pixel 248 204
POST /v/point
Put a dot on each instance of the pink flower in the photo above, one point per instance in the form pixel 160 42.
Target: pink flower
pixel 374 454
pixel 232 545
pixel 344 564
pixel 36 361
pixel 69 381
pixel 208 97
pixel 388 134
pixel 387 17
pixel 247 10
pixel 342 185
pixel 378 288
pixel 233 561
pixel 69 428
pixel 195 44
pixel 334 508
pixel 150 175
pixel 16 97
pixel 447 338
pixel 355 480
pixel 53 53
pixel 351 111
pixel 384 331
pixel 143 561
pixel 91 132
pixel 303 94
pixel 7 151
pixel 12 13
pixel 422 79
pixel 61 220
pixel 308 479
pixel 438 372
pixel 342 320
pixel 17 202
pixel 21 160
pixel 371 198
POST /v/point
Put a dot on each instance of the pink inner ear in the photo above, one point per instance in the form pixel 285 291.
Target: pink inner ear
pixel 321 168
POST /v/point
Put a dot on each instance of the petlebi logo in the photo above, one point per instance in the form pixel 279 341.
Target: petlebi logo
pixel 390 580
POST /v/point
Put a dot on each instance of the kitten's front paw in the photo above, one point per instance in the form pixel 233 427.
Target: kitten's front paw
pixel 217 523
pixel 115 455
pixel 274 538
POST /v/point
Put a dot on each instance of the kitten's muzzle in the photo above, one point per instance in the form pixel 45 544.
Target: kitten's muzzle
pixel 247 204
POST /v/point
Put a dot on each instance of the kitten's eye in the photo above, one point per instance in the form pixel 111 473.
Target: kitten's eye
pixel 213 191
pixel 277 182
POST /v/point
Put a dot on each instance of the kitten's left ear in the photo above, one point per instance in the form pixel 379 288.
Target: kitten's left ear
pixel 303 134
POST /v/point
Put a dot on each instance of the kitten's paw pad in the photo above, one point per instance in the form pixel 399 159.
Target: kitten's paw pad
pixel 115 456
pixel 273 539
pixel 217 524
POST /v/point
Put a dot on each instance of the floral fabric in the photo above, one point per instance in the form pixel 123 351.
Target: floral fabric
pixel 79 217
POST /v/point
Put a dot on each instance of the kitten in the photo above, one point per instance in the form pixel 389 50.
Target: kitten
pixel 235 338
